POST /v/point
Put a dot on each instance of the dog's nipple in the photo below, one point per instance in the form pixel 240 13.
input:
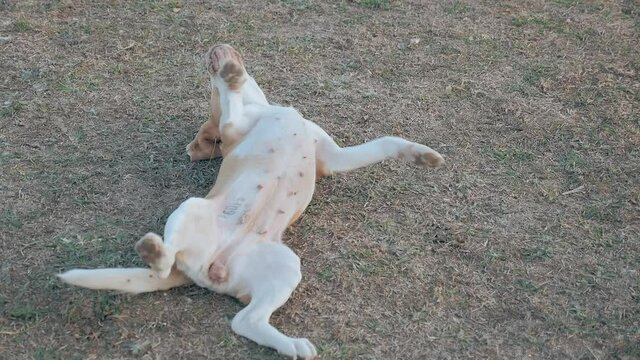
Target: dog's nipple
pixel 218 273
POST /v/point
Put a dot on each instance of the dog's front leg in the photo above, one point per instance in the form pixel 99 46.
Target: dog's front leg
pixel 156 254
pixel 228 76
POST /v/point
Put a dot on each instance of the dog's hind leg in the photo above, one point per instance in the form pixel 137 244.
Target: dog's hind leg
pixel 156 254
pixel 331 158
pixel 271 272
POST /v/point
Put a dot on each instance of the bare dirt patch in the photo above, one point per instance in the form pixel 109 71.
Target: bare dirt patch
pixel 525 244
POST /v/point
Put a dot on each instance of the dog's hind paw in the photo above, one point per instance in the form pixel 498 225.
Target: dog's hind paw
pixel 423 156
pixel 299 348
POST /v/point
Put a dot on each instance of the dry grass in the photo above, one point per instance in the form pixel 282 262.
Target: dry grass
pixel 487 258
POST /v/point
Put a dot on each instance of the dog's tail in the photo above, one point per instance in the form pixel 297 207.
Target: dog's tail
pixel 131 280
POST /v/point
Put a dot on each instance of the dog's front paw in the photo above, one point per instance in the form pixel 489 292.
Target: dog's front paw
pixel 224 61
pixel 299 348
pixel 423 156
pixel 153 252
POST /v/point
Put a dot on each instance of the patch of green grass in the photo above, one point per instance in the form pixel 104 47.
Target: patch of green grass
pixel 139 348
pixel 22 25
pixel 457 8
pixel 542 22
pixel 6 158
pixel 628 349
pixel 536 253
pixel 492 256
pixel 88 250
pixel 73 85
pixel 365 262
pixel 326 274
pixel 79 135
pixel 592 213
pixel 30 74
pixel 117 69
pixel 298 4
pixel 490 48
pixel 106 306
pixel 596 276
pixel 566 3
pixel 527 285
pixel 534 74
pixel 519 21
pixel 510 155
pixel 24 312
pixel 377 327
pixel 571 161
pixel 9 218
pixel 578 312
pixel 43 354
pixel 11 109
pixel 590 95
pixel 375 4
pixel 606 213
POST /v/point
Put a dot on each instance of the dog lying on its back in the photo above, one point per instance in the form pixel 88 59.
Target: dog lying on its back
pixel 231 240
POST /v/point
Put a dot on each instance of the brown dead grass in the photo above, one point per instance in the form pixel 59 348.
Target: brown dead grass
pixel 490 257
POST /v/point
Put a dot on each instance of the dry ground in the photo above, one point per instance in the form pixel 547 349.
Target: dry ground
pixel 493 256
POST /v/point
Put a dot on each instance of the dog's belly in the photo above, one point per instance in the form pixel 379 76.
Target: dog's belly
pixel 270 174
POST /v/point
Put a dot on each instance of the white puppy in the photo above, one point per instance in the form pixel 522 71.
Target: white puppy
pixel 231 240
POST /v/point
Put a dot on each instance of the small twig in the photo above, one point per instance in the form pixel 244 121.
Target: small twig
pixel 131 44
pixel 576 190
pixel 592 353
pixel 4 332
